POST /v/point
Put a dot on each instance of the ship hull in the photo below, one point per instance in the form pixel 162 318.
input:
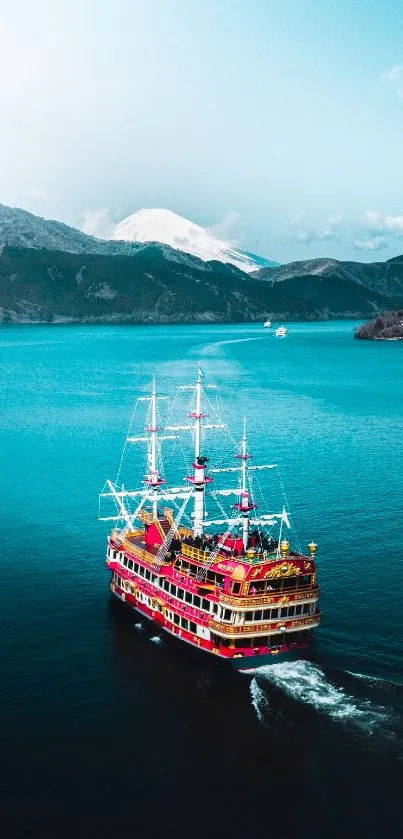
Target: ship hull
pixel 243 664
pixel 249 663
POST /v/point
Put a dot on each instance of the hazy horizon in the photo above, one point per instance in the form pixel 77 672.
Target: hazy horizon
pixel 278 125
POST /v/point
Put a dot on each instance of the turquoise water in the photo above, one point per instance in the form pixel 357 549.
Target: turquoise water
pixel 85 698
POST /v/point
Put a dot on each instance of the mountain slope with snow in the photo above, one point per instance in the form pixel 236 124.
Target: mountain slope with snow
pixel 168 228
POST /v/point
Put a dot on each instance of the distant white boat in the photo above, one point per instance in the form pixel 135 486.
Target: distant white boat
pixel 281 332
pixel 267 324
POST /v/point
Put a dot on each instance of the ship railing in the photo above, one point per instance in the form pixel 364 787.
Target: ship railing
pixel 266 599
pixel 141 553
pixel 116 535
pixel 195 553
pixel 256 558
pixel 183 531
pixel 260 628
pixel 146 517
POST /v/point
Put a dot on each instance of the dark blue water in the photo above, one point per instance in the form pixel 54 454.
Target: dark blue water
pixel 106 734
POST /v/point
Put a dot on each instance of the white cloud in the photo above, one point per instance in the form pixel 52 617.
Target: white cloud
pixel 379 222
pixel 394 74
pixel 228 228
pixel 329 234
pixel 373 243
pixel 98 223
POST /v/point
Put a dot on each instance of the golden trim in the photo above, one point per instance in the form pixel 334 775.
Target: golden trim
pixel 311 593
pixel 228 630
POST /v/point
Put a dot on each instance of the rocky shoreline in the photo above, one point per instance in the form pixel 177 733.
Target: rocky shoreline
pixel 385 327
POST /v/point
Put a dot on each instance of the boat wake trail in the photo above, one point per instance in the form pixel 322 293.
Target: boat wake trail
pixel 307 683
pixel 156 639
pixel 139 627
pixel 214 348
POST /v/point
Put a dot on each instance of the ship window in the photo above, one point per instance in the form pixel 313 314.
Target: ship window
pixel 214 608
pixel 197 601
pixel 298 610
pixel 192 626
pixel 136 568
pixel 125 561
pixel 248 617
pixel 131 564
pixel 176 619
pixel 240 642
pixel 148 575
pixel 289 582
pixel 188 597
pixel 275 640
pixel 236 588
pixel 305 608
pixel 274 614
pixel 142 571
pixel 291 611
pixel 173 590
pixel 274 585
pixel 180 593
pixel 283 612
pixel 257 616
pixel 184 623
pixel 305 580
pixel 205 604
pixel 227 615
pixel 266 614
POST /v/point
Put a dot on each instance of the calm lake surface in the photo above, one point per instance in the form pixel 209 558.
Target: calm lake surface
pixel 106 734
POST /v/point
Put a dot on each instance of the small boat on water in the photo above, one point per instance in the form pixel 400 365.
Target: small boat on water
pixel 267 324
pixel 230 586
pixel 281 332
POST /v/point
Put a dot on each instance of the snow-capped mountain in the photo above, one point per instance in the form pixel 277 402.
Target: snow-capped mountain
pixel 168 228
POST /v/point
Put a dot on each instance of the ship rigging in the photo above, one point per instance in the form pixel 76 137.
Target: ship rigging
pixel 229 585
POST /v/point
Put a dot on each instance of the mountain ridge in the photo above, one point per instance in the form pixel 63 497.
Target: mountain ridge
pixel 41 286
pixel 167 227
pixel 79 278
pixel 383 277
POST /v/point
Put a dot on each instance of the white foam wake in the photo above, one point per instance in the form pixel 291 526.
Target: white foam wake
pixel 306 682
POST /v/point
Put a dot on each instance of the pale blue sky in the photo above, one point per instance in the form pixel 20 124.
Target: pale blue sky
pixel 286 115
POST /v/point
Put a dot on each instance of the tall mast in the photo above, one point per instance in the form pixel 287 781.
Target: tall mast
pixel 245 505
pixel 153 479
pixel 153 446
pixel 244 453
pixel 198 413
pixel 199 478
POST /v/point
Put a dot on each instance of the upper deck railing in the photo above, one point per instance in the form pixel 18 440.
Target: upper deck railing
pixel 257 628
pixel 195 553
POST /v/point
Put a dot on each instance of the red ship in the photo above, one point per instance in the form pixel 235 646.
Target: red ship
pixel 232 586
